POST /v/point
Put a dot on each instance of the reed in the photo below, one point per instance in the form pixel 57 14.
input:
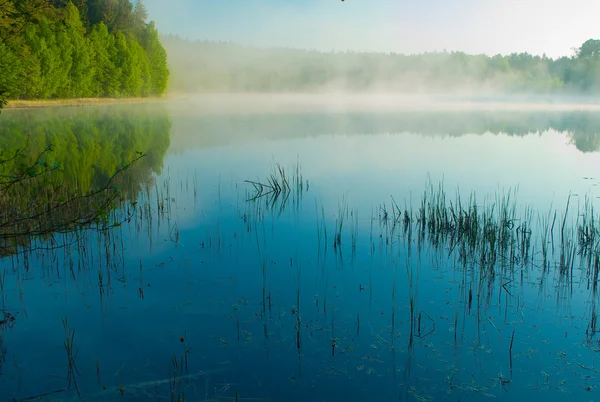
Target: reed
pixel 497 234
pixel 274 192
pixel 72 370
pixel 176 387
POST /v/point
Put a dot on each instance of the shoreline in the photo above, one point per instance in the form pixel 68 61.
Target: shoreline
pixel 274 102
pixel 77 102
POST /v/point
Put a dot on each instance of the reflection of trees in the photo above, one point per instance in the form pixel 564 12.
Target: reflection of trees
pixel 586 142
pixel 218 129
pixel 583 128
pixel 90 144
pixel 62 171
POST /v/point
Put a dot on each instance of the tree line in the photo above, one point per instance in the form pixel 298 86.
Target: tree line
pixel 203 66
pixel 81 48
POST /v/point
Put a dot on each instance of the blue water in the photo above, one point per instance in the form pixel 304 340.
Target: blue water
pixel 257 303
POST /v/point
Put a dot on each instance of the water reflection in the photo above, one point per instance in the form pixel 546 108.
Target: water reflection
pixel 64 171
pixel 295 257
pixel 89 144
pixel 581 127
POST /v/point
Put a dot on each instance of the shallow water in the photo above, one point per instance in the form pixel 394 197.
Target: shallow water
pixel 260 300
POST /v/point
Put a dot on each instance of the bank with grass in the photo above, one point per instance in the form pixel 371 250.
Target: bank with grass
pixel 81 102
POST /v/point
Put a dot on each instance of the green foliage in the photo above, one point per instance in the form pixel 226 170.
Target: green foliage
pixel 224 67
pixel 12 80
pixel 82 70
pixel 106 75
pixel 80 48
pixel 51 54
pixel 157 59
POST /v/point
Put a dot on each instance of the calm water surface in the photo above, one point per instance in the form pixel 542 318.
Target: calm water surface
pixel 317 294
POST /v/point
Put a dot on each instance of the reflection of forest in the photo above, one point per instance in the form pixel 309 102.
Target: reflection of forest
pixel 90 144
pixel 205 130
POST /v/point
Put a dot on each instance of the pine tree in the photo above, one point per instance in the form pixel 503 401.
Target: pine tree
pixel 43 42
pixel 157 57
pixel 106 74
pixel 140 15
pixel 82 7
pixel 82 71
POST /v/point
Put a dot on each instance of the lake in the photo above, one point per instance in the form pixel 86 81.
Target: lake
pixel 293 249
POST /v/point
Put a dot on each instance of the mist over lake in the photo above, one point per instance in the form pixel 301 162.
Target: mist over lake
pixel 309 252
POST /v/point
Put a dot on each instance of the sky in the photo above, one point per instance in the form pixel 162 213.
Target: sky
pixel 553 27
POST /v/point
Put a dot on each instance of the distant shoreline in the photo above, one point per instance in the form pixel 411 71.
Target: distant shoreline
pixel 42 103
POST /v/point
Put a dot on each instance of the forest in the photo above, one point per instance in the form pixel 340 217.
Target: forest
pixel 77 49
pixel 203 66
pixel 51 49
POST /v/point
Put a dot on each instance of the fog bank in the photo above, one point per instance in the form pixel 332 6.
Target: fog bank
pixel 210 67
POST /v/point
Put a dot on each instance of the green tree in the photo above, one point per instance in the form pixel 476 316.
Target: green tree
pixel 79 48
pixel 126 60
pixel 44 60
pixel 82 7
pixel 82 70
pixel 115 14
pixel 157 59
pixel 587 68
pixel 14 76
pixel 100 11
pixel 140 15
pixel 107 75
pixel 15 63
pixel 16 15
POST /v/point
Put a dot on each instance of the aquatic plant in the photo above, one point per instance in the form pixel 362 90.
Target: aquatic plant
pixel 493 235
pixel 277 187
pixel 72 370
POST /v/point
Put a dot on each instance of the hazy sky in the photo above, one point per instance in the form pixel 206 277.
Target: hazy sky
pixel 405 26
